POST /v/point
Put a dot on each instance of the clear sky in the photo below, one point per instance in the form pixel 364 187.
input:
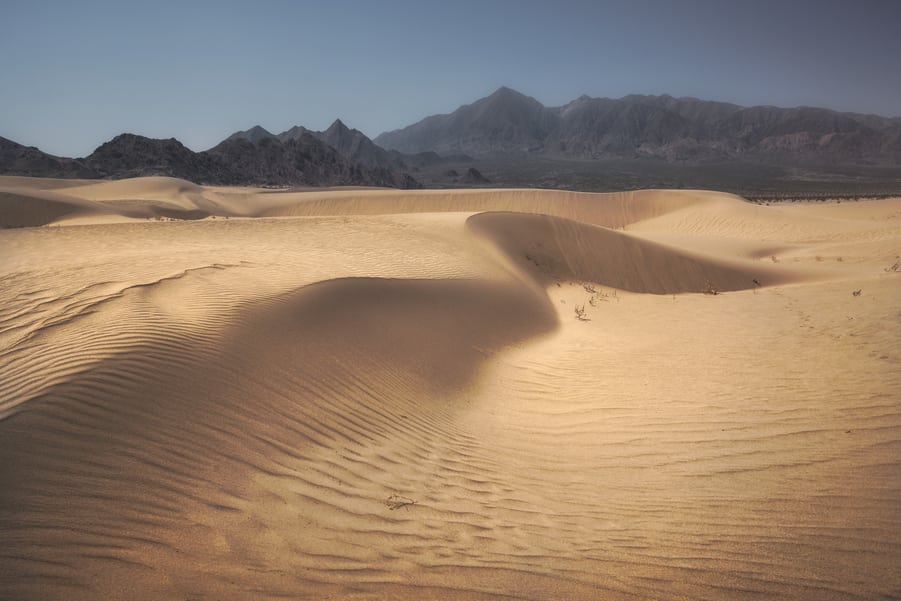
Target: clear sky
pixel 75 73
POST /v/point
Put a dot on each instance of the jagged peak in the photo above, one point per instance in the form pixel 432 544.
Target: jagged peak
pixel 505 90
pixel 504 100
pixel 338 124
pixel 253 134
pixel 294 133
pixel 505 93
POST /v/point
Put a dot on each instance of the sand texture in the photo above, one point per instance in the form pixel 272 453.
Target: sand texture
pixel 234 393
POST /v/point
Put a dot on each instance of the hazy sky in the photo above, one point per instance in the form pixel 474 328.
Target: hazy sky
pixel 73 74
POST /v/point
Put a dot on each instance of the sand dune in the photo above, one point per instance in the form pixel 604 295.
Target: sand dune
pixel 559 249
pixel 25 207
pixel 361 394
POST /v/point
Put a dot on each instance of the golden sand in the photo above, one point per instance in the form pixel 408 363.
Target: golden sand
pixel 235 393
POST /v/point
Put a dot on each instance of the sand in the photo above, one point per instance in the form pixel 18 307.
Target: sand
pixel 214 393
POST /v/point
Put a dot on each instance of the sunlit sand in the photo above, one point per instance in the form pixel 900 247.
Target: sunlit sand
pixel 239 393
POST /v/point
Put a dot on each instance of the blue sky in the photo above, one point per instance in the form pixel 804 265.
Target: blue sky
pixel 74 74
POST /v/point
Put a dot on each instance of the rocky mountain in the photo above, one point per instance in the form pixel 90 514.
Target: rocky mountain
pixel 296 132
pixel 254 134
pixel 504 122
pixel 508 123
pixel 303 159
pixel 350 143
pixel 130 155
pixel 251 157
pixel 356 146
pixel 517 141
pixel 16 159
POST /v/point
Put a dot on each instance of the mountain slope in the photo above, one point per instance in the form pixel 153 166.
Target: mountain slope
pixel 356 146
pixel 130 155
pixel 17 159
pixel 250 157
pixel 662 127
pixel 303 159
pixel 506 121
pixel 254 134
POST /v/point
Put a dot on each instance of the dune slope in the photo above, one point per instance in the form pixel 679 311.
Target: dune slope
pixel 359 394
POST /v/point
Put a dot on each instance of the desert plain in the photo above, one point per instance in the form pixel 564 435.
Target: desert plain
pixel 212 393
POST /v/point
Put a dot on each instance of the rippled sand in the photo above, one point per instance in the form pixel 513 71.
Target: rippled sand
pixel 221 393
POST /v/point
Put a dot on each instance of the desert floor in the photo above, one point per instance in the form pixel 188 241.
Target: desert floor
pixel 229 394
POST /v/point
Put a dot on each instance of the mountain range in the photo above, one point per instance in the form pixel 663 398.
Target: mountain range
pixel 508 123
pixel 506 126
pixel 252 157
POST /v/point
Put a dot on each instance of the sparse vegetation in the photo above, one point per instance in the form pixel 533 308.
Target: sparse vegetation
pixel 598 295
pixel 580 313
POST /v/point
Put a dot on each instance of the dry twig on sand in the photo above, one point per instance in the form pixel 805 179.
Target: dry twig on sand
pixel 397 501
pixel 580 313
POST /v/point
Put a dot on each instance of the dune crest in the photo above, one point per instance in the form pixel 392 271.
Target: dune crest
pixel 556 249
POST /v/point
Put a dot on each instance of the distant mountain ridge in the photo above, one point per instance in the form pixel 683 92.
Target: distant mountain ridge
pixel 300 156
pixel 512 129
pixel 250 157
pixel 350 143
pixel 661 127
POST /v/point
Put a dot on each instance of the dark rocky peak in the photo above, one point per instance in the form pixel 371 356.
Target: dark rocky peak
pixel 338 126
pixel 356 146
pixel 339 135
pixel 131 155
pixel 294 133
pixel 506 104
pixel 254 134
pixel 304 159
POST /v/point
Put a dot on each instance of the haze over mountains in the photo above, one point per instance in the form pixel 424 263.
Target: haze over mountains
pixel 511 127
pixel 661 127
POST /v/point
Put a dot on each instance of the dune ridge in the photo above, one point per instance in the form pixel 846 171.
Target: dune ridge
pixel 150 196
pixel 572 251
pixel 359 394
